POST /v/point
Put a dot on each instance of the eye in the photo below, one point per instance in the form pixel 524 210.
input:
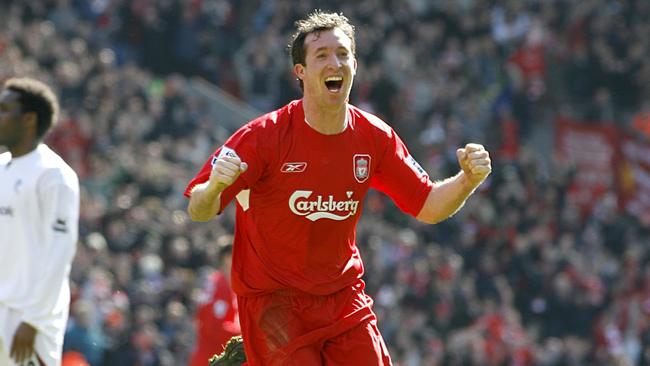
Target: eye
pixel 320 56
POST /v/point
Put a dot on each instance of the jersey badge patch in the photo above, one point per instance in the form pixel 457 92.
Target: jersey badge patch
pixel 297 167
pixel 60 225
pixel 361 166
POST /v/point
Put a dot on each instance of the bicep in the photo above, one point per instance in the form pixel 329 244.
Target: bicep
pixel 400 177
pixel 59 203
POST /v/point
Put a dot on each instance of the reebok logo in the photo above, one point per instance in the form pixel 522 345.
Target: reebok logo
pixel 298 167
pixel 319 207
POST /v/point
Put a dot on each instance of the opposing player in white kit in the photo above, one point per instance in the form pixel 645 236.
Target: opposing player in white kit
pixel 39 214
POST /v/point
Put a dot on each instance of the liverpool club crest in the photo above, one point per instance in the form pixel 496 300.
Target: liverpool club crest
pixel 361 164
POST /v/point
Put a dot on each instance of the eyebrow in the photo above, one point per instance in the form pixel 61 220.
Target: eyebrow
pixel 323 48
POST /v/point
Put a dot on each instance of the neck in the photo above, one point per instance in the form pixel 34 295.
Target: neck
pixel 327 121
pixel 23 149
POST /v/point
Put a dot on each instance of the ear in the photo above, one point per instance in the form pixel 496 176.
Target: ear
pixel 299 71
pixel 354 66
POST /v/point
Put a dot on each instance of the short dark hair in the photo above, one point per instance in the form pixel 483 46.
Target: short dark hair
pixel 225 249
pixel 224 243
pixel 37 97
pixel 317 22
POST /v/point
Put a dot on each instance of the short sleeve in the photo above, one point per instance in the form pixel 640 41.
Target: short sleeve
pixel 243 144
pixel 400 176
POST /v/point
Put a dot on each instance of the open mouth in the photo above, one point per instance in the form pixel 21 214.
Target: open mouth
pixel 334 83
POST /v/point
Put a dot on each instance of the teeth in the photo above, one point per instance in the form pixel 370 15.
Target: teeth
pixel 334 78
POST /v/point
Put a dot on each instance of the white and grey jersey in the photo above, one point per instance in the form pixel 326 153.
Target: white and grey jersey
pixel 39 218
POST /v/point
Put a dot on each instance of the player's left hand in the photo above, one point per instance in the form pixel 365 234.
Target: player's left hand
pixel 22 346
pixel 475 162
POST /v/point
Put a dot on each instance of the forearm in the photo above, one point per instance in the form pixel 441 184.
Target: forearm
pixel 205 202
pixel 446 198
pixel 51 292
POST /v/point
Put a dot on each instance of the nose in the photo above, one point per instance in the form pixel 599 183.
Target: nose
pixel 335 61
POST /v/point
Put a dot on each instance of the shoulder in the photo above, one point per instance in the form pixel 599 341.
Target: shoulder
pixel 271 126
pixel 367 120
pixel 55 169
pixel 275 119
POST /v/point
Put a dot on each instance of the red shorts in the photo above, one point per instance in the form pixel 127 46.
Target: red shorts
pixel 303 329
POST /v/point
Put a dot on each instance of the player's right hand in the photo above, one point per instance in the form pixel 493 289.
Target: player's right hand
pixel 22 345
pixel 475 162
pixel 225 171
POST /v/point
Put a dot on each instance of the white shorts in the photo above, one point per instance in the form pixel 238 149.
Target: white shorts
pixel 47 351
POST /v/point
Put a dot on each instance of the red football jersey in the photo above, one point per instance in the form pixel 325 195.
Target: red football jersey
pixel 216 319
pixel 302 197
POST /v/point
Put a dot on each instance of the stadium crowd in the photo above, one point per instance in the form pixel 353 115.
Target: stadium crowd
pixel 520 276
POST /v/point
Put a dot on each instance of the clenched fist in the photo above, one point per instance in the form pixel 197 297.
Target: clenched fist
pixel 226 170
pixel 475 162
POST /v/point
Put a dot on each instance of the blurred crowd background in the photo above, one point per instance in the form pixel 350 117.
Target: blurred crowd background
pixel 522 276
